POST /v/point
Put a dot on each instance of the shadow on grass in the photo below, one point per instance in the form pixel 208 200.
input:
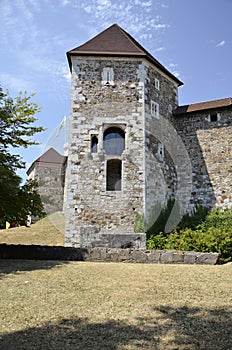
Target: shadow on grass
pixel 197 328
pixel 18 266
pixel 167 328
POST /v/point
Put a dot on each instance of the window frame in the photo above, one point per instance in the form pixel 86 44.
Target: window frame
pixel 157 84
pixel 111 174
pixel 121 145
pixel 154 109
pixel 92 145
pixel 107 76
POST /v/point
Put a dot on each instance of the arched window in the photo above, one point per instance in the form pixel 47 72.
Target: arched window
pixel 94 143
pixel 114 175
pixel 114 141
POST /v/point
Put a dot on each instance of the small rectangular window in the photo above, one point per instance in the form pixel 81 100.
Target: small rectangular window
pixel 213 117
pixel 160 153
pixel 154 109
pixel 170 108
pixel 157 84
pixel 108 76
pixel 94 144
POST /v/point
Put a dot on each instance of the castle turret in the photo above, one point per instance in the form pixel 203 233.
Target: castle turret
pixel 113 176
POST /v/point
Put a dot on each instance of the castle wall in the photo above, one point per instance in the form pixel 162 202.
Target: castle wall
pixel 91 208
pixel 50 185
pixel 161 92
pixel 209 144
pixel 186 157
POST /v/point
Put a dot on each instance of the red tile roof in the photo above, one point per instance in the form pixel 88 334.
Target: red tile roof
pixel 114 41
pixel 225 102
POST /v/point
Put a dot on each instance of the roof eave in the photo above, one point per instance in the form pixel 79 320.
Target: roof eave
pixel 184 112
pixel 122 54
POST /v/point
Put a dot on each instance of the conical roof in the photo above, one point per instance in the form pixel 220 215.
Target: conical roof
pixel 114 41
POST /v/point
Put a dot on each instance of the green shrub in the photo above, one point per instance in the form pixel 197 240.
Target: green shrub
pixel 218 219
pixel 214 234
pixel 194 219
pixel 156 242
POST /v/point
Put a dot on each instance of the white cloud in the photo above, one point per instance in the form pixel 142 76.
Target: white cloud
pixel 64 72
pixel 88 9
pixel 65 2
pixel 176 73
pixel 135 16
pixel 172 65
pixel 104 2
pixel 222 43
pixel 161 26
pixel 145 36
pixel 159 49
pixel 32 42
pixel 143 3
pixel 15 28
pixel 15 84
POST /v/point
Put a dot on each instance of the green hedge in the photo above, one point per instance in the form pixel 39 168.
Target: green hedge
pixel 209 233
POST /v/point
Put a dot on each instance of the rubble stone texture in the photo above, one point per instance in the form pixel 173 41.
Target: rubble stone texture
pixel 168 152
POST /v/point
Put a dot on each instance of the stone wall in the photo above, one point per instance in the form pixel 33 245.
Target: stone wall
pixel 150 256
pixel 186 157
pixel 209 144
pixel 50 179
pixel 95 106
pixel 159 167
pixel 36 252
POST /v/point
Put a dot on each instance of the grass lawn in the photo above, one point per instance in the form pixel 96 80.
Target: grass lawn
pixel 99 306
pixel 48 231
pixel 51 305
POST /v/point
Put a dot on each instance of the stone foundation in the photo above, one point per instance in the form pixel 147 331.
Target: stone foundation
pixel 112 240
pixel 36 252
pixel 91 238
pixel 150 256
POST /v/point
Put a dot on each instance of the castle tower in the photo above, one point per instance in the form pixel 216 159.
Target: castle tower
pixel 114 160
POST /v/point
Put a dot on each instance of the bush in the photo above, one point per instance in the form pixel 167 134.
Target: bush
pixel 156 242
pixel 214 234
pixel 194 219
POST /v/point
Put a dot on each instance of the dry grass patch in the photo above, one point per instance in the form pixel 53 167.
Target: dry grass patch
pixel 48 231
pixel 115 306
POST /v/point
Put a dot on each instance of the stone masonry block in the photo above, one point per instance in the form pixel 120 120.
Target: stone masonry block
pixel 190 257
pixel 153 256
pixel 208 258
pixel 166 257
pixel 139 256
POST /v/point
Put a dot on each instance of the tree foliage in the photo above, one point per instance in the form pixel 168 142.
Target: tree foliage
pixel 17 126
pixel 17 118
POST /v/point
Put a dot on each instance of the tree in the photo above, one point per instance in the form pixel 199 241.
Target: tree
pixel 17 118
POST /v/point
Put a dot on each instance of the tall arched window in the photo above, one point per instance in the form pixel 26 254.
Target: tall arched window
pixel 114 175
pixel 114 141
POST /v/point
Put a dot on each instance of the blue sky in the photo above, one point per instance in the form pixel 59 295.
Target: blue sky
pixel 192 38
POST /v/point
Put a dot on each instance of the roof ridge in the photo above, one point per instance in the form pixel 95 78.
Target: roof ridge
pixel 115 41
pixel 132 40
pixel 218 99
pixel 205 105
